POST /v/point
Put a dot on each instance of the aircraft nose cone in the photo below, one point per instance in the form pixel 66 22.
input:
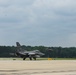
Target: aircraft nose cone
pixel 42 54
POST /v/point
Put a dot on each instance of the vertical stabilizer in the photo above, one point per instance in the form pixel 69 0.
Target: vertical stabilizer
pixel 18 44
pixel 19 47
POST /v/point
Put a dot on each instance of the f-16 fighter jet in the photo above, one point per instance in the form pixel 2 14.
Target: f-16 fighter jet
pixel 27 54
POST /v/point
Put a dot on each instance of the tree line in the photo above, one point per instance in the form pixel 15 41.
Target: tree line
pixel 54 52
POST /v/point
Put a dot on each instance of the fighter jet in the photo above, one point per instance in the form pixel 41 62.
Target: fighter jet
pixel 27 54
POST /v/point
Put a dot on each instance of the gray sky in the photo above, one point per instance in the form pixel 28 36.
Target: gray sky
pixel 38 22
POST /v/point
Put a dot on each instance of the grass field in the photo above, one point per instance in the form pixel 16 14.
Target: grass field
pixel 39 59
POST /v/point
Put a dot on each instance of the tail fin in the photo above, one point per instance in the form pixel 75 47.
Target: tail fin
pixel 18 44
pixel 19 47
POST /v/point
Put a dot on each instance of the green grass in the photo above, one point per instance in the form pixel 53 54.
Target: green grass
pixel 38 59
pixel 64 58
pixel 57 59
pixel 21 59
pixel 10 58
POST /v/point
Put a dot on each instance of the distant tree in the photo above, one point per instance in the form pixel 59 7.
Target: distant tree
pixel 53 51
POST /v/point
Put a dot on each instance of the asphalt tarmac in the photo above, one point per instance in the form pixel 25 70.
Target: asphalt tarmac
pixel 42 67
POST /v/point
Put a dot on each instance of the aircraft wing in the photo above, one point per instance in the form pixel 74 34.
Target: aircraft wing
pixel 27 53
pixel 31 53
pixel 22 53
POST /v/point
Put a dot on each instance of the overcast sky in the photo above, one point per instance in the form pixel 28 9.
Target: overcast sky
pixel 38 22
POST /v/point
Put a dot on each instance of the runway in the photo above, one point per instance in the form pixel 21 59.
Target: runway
pixel 42 67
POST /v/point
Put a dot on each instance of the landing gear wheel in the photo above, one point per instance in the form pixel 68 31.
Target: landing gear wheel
pixel 30 58
pixel 24 58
